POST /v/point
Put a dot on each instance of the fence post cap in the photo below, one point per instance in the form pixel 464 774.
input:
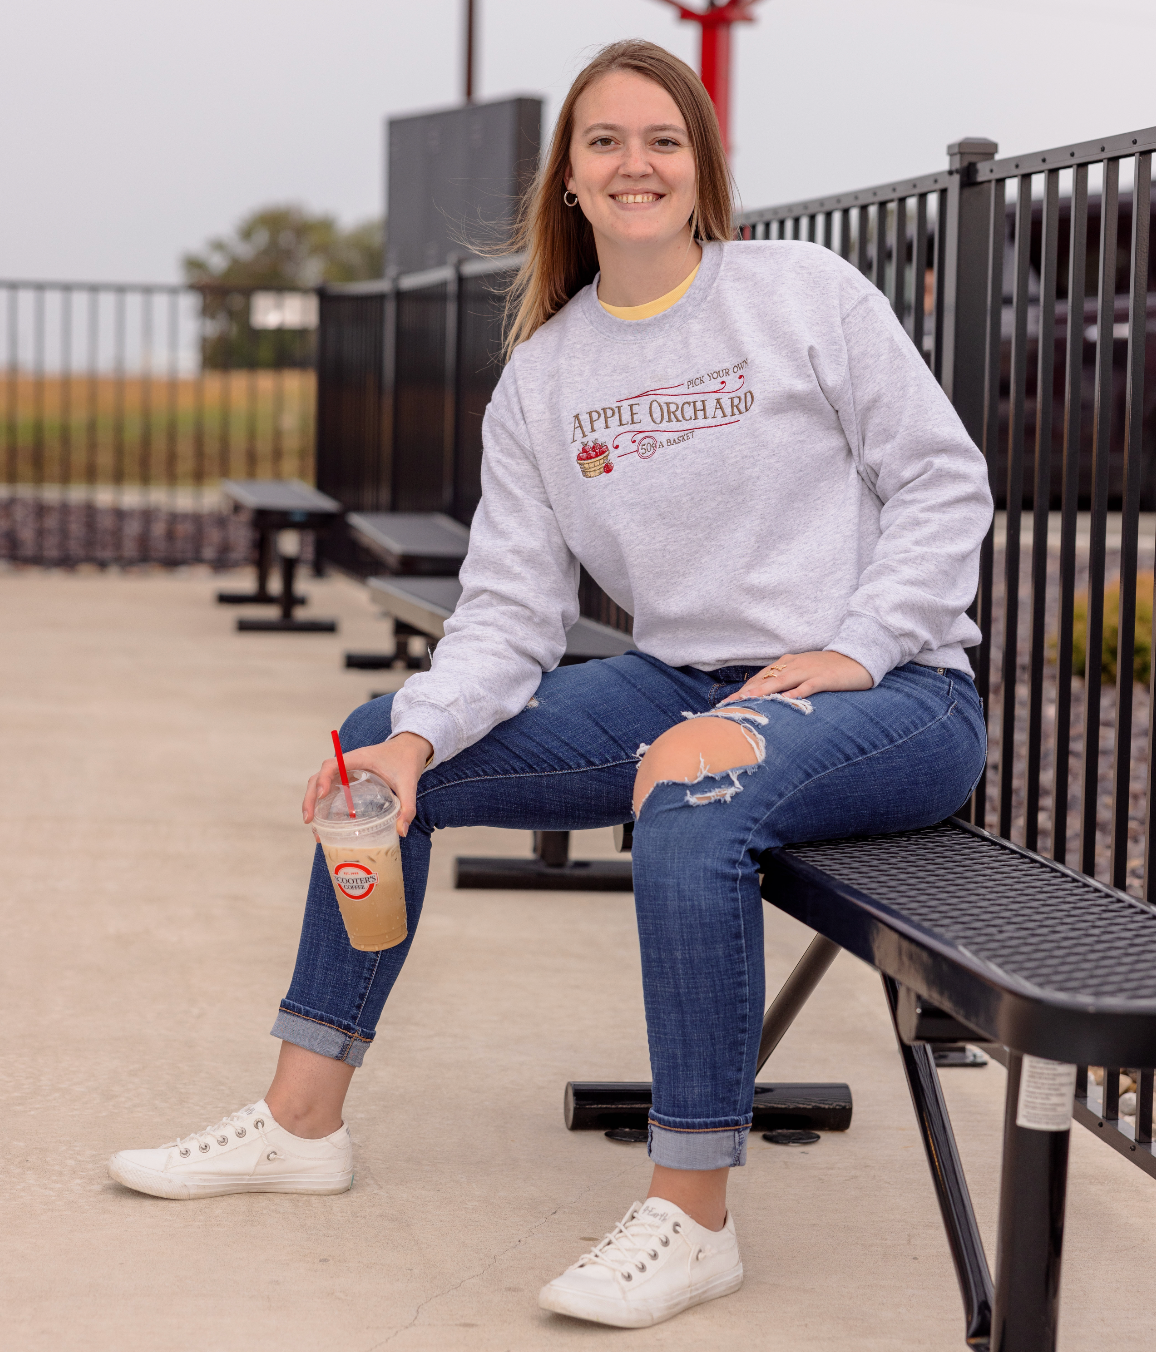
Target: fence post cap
pixel 970 150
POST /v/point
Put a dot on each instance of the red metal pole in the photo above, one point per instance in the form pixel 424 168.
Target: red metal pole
pixel 715 68
pixel 714 24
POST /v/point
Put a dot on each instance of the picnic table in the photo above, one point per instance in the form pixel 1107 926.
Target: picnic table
pixel 281 510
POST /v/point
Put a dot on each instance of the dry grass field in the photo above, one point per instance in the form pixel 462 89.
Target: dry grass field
pixel 184 431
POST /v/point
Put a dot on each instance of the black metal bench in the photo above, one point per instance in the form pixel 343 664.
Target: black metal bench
pixel 976 939
pixel 1037 959
pixel 281 509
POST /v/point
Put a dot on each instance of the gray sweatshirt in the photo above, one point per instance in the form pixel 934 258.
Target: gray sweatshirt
pixel 767 467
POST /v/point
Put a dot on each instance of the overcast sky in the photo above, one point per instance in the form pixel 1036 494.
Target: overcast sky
pixel 134 129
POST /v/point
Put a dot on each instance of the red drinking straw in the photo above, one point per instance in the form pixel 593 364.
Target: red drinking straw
pixel 344 774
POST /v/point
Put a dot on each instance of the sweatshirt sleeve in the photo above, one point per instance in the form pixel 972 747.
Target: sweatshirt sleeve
pixel 914 453
pixel 519 597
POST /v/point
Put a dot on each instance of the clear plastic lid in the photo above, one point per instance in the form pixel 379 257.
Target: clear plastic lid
pixel 374 805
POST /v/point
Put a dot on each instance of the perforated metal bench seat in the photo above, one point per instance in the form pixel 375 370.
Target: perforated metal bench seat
pixel 1030 954
pixel 1045 962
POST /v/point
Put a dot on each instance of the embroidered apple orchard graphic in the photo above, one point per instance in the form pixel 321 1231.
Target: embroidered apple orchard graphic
pixel 594 459
pixel 714 399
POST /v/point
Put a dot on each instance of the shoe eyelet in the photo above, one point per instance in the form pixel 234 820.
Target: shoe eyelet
pixel 240 1132
pixel 185 1152
pixel 272 1155
pixel 627 1276
pixel 260 1122
pixel 652 1254
pixel 222 1140
pixel 204 1148
pixel 677 1228
pixel 664 1240
pixel 640 1266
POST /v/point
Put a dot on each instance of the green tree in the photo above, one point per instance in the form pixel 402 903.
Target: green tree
pixel 274 248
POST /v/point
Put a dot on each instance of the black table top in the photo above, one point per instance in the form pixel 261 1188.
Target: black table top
pixel 279 495
pixel 1031 954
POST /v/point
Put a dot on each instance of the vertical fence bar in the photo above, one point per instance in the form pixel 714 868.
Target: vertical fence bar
pixel 65 424
pixel 919 273
pixel 118 428
pixel 278 414
pixel 940 279
pixel 1015 499
pixel 1069 505
pixel 899 260
pixel 1097 548
pixel 879 267
pixel 199 434
pixel 828 240
pixel 252 401
pixel 845 234
pixel 91 425
pixel 145 438
pixel 1130 514
pixel 172 416
pixel 38 338
pixel 990 442
pixel 1041 502
pixel 11 387
pixel 862 231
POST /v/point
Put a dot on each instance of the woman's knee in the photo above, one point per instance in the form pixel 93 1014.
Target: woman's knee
pixel 708 745
pixel 368 724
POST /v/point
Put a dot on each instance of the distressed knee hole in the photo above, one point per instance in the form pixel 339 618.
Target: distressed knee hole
pixel 707 753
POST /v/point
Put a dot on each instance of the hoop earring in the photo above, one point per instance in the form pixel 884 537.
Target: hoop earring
pixel 566 196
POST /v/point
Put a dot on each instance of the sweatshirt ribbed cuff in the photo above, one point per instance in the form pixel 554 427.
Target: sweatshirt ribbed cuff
pixel 869 643
pixel 435 724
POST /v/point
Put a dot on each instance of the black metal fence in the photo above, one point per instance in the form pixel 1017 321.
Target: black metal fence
pixel 1028 284
pixel 121 407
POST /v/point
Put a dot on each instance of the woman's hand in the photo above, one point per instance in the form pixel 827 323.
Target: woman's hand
pixel 798 675
pixel 399 761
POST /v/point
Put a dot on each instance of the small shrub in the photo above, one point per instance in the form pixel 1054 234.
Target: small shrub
pixel 1142 659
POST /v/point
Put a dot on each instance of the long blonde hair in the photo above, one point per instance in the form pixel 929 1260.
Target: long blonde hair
pixel 557 241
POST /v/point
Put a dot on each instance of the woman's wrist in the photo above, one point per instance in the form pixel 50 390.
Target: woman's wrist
pixel 414 746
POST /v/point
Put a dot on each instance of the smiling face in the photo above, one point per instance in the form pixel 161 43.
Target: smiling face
pixel 631 163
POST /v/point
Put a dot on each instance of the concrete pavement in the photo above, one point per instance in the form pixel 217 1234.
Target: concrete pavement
pixel 152 885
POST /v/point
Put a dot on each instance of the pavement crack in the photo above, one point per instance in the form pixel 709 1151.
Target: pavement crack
pixel 494 1259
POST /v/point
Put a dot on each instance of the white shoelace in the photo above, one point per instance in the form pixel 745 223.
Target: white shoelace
pixel 633 1240
pixel 203 1139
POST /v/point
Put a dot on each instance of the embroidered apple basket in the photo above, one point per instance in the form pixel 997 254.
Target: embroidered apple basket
pixel 592 459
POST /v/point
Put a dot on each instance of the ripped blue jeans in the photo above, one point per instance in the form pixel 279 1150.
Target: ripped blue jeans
pixel 904 754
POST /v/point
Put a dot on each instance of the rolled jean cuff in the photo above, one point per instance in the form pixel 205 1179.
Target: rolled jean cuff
pixel 697 1148
pixel 316 1033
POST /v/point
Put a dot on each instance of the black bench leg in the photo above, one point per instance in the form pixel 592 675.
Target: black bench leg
pixel 1032 1192
pixel 551 869
pixel 795 992
pixel 967 1253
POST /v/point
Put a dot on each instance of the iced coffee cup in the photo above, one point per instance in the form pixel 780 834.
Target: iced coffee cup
pixel 363 854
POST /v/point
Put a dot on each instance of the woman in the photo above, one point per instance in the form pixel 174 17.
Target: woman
pixel 743 448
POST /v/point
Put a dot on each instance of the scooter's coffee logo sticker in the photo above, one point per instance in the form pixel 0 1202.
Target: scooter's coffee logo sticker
pixel 354 880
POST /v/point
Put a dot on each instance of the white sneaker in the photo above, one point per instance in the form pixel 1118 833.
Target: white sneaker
pixel 245 1152
pixel 653 1264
